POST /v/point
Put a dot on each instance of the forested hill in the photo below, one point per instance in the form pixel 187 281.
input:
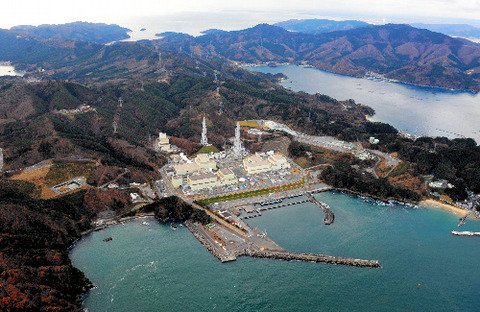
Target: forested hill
pixel 318 26
pixel 168 95
pixel 77 31
pixel 400 52
pixel 32 54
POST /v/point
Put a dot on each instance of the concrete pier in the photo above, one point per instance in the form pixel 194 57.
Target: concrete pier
pixel 206 240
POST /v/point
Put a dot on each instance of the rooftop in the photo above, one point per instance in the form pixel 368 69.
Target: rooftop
pixel 202 176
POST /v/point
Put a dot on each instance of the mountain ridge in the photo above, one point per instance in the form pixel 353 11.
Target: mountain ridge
pixel 317 26
pixel 396 51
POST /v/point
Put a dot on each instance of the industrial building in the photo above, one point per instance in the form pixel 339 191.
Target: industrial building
pixel 185 168
pixel 162 144
pixel 204 162
pixel 256 164
pixel 227 177
pixel 278 161
pixel 259 163
pixel 205 180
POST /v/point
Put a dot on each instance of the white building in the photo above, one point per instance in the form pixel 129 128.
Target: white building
pixel 205 162
pixel 162 144
pixel 278 161
pixel 205 180
pixel 255 164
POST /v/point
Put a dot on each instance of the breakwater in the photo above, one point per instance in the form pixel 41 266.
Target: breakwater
pixel 329 215
pixel 465 233
pixel 225 255
pixel 307 257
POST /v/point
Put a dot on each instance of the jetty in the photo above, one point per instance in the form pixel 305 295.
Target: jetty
pixel 230 252
pixel 465 233
pixel 461 221
pixel 329 215
pixel 308 257
pixel 280 203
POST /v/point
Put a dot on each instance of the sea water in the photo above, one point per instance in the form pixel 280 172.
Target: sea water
pixel 411 109
pixel 424 268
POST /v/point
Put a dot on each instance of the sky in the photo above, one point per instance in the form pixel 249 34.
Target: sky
pixel 238 13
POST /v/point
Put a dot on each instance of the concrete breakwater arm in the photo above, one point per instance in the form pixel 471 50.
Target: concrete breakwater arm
pixel 465 233
pixel 329 215
pixel 289 256
pixel 225 255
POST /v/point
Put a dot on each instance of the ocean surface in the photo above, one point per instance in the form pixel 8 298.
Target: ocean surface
pixel 194 23
pixel 410 109
pixel 424 268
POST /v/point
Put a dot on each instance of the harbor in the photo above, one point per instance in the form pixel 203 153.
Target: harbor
pixel 227 244
pixel 230 252
pixel 173 263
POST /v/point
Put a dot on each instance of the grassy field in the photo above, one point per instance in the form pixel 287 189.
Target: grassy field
pixel 400 169
pixel 259 192
pixel 52 174
pixel 61 172
pixel 249 123
pixel 207 149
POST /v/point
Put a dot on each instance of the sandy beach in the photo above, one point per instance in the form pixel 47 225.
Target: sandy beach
pixel 450 208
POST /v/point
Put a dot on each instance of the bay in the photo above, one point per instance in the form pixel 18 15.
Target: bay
pixel 424 267
pixel 411 109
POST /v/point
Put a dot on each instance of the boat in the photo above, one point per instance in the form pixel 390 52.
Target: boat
pixel 145 223
pixel 173 226
pixel 108 239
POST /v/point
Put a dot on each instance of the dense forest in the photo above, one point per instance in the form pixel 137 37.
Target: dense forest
pixel 456 160
pixel 343 176
pixel 173 209
pixel 35 270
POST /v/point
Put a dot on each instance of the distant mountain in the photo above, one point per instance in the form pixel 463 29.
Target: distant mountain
pixel 456 30
pixel 318 26
pixel 27 50
pixel 398 52
pixel 77 31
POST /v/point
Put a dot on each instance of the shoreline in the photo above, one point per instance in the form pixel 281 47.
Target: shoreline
pixel 432 203
pixel 115 222
pixel 389 80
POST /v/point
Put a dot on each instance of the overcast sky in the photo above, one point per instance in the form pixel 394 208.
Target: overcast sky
pixel 15 12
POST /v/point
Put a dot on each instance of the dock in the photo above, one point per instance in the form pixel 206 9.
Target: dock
pixel 279 203
pixel 465 233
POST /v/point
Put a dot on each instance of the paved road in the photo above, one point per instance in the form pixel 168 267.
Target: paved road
pixel 331 143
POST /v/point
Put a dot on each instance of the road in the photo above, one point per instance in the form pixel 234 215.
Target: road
pixel 329 142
